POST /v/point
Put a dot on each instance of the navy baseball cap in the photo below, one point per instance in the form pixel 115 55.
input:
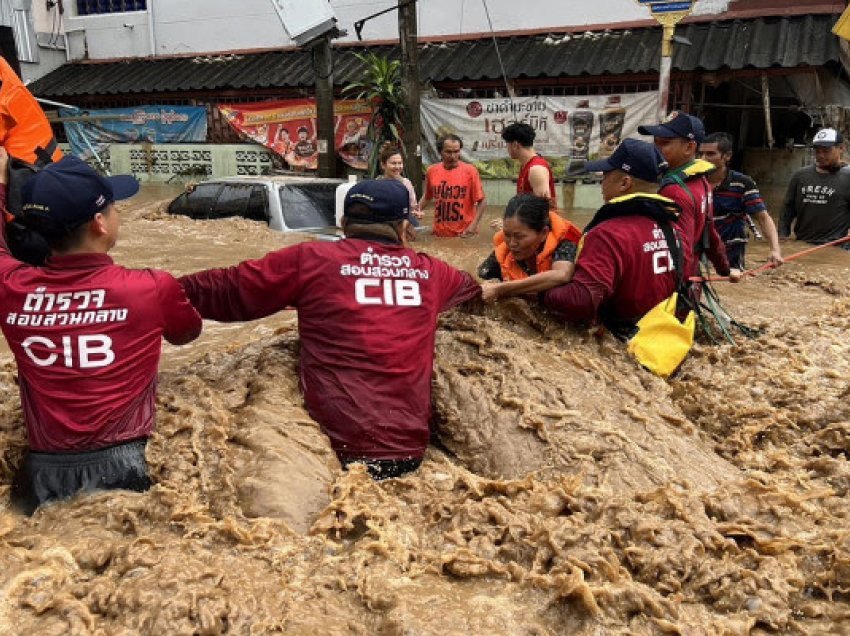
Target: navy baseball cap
pixel 637 158
pixel 677 124
pixel 828 137
pixel 66 194
pixel 385 199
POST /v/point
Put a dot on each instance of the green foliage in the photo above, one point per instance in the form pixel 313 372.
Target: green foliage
pixel 381 86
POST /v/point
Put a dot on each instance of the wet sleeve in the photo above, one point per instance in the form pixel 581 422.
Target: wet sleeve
pixel 716 251
pixel 456 287
pixel 490 268
pixel 248 291
pixel 753 201
pixel 596 277
pixel 574 301
pixel 789 208
pixel 181 322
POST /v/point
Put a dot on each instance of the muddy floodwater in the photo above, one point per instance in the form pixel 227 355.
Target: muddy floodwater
pixel 567 491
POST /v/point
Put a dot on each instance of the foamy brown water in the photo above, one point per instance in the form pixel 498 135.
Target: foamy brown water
pixel 569 492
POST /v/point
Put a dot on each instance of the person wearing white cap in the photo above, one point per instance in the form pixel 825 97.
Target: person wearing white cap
pixel 817 203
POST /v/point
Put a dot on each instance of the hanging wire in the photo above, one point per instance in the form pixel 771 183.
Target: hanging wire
pixel 498 53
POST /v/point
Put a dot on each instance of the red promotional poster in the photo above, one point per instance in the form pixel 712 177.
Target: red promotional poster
pixel 288 127
pixel 351 138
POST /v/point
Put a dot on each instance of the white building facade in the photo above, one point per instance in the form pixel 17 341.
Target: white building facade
pixel 50 32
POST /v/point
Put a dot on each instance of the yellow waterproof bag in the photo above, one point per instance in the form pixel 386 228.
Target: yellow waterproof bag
pixel 662 340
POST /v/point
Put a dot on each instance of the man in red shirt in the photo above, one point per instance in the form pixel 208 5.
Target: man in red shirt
pixel 624 265
pixel 86 336
pixel 678 138
pixel 535 174
pixel 367 317
pixel 455 187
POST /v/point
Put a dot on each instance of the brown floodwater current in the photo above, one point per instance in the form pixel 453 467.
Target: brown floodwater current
pixel 567 491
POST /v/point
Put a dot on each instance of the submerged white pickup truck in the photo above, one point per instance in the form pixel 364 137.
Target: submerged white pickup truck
pixel 286 203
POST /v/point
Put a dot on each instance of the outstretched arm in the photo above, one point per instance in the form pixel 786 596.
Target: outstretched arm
pixel 253 289
pixel 768 228
pixel 560 274
pixel 181 322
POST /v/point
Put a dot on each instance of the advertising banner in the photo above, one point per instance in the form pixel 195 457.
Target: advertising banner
pixel 571 130
pixel 90 131
pixel 288 127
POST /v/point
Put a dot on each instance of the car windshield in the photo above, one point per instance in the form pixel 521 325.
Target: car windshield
pixel 308 205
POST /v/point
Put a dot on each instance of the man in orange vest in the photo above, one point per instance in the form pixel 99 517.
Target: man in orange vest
pixel 28 140
pixel 25 132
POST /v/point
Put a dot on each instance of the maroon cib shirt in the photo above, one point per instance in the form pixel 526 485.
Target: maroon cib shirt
pixel 86 335
pixel 367 318
pixel 623 270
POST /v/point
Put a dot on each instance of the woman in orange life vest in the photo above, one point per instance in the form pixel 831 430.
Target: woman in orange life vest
pixel 535 251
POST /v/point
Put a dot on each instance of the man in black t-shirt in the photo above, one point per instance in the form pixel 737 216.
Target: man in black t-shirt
pixel 817 203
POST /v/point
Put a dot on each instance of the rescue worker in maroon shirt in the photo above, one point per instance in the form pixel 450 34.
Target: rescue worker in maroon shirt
pixel 678 139
pixel 86 335
pixel 367 317
pixel 624 265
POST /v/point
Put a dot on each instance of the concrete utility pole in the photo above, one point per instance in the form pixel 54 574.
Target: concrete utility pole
pixel 323 68
pixel 408 38
pixel 312 23
pixel 668 13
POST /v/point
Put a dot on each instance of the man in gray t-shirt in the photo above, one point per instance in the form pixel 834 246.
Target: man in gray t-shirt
pixel 818 197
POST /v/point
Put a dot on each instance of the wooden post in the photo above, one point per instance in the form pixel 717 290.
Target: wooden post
pixel 765 100
pixel 323 68
pixel 408 38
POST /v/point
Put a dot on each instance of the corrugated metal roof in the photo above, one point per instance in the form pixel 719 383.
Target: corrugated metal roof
pixel 760 43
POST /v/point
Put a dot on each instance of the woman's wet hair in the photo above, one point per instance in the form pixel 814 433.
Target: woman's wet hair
pixel 388 149
pixel 530 210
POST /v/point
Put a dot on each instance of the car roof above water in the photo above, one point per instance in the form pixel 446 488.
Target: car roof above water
pixel 275 179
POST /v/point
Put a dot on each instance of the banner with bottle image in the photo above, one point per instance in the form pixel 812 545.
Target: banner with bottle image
pixel 571 130
pixel 289 128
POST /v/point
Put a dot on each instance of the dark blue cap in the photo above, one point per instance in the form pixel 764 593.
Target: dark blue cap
pixel 637 158
pixel 66 194
pixel 385 199
pixel 677 124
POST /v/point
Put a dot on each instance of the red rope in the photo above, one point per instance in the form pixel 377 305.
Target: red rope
pixel 766 266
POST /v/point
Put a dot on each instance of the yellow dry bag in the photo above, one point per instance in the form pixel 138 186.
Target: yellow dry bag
pixel 662 340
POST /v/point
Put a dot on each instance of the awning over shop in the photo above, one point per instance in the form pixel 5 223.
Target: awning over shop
pixel 761 43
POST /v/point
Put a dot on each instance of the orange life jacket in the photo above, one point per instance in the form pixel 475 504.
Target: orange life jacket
pixel 562 230
pixel 25 132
